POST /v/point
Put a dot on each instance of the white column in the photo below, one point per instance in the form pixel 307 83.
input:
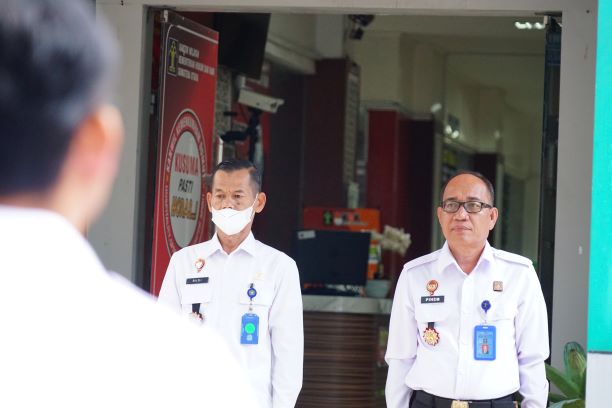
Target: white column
pixel 573 218
pixel 113 236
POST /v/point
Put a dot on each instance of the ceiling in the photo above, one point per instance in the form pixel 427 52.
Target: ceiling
pixel 472 26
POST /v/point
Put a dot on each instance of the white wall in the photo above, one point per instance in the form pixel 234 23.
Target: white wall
pixel 462 101
pixel 292 42
pixel 423 69
pixel 491 111
pixel 514 142
pixel 114 234
pixel 531 216
pixel 297 29
pixel 599 372
pixel 575 128
pixel 330 35
pixel 428 79
pixel 400 69
pixel 378 55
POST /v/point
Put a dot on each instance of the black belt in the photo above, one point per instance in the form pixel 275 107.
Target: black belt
pixel 425 399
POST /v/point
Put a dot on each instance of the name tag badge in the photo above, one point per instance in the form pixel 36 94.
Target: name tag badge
pixel 197 281
pixel 484 343
pixel 249 331
pixel 432 299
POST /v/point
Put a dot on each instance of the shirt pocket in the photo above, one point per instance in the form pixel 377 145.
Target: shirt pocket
pixel 501 313
pixel 502 317
pixel 200 293
pixel 263 299
pixel 428 314
pixel 433 312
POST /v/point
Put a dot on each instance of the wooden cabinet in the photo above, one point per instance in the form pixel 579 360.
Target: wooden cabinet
pixel 345 340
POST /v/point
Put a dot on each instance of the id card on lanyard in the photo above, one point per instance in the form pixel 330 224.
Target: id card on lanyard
pixel 484 342
pixel 485 337
pixel 249 332
pixel 249 327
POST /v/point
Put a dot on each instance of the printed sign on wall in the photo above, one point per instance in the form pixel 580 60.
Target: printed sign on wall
pixel 187 102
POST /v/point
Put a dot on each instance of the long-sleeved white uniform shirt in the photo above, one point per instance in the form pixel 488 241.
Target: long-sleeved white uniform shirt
pixel 275 364
pixel 74 335
pixel 449 369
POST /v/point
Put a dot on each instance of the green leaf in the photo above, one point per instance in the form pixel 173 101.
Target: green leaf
pixel 574 359
pixel 574 403
pixel 552 397
pixel 563 383
pixel 579 403
pixel 582 385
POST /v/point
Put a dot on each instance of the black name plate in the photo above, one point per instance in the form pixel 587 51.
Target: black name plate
pixel 432 299
pixel 195 281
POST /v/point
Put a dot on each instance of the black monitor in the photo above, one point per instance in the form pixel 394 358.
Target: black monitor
pixel 332 257
pixel 242 41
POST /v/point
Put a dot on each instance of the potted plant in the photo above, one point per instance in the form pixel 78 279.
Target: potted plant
pixel 572 382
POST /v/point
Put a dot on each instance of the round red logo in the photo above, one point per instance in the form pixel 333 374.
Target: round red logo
pixel 183 183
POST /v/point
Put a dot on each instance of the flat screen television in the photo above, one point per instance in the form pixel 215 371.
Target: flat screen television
pixel 332 257
pixel 242 41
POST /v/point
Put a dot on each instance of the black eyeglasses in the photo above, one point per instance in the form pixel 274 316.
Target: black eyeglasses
pixel 472 207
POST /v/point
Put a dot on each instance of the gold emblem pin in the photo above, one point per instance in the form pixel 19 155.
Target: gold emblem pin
pixel 498 286
pixel 432 286
pixel 431 336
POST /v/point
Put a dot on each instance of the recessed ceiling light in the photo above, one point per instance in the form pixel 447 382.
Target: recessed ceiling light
pixel 527 25
pixel 435 108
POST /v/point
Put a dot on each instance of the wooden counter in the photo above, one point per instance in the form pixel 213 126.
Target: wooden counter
pixel 344 344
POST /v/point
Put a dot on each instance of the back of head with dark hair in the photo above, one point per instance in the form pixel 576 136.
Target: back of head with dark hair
pixel 56 65
pixel 476 174
pixel 232 165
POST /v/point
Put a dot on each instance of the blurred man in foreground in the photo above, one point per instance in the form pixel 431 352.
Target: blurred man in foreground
pixel 72 335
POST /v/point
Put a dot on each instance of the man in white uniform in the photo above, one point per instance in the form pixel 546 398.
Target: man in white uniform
pixel 246 290
pixel 468 325
pixel 73 335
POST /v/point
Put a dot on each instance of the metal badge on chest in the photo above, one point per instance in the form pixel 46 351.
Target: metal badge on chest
pixel 430 334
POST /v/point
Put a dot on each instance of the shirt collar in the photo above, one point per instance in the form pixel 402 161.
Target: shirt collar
pixel 446 257
pixel 487 254
pixel 249 245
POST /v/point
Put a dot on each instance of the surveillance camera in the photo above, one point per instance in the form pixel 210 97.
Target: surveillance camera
pixel 259 101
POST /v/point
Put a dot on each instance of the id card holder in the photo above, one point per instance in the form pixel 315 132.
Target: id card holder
pixel 249 331
pixel 484 342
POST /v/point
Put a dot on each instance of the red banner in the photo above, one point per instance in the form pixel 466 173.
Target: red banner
pixel 187 104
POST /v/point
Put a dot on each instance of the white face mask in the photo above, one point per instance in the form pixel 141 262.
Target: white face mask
pixel 232 221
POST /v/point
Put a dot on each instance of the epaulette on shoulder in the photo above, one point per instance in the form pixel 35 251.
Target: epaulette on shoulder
pixel 422 260
pixel 510 257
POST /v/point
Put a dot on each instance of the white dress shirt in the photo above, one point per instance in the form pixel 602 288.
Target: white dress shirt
pixel 73 335
pixel 275 364
pixel 449 369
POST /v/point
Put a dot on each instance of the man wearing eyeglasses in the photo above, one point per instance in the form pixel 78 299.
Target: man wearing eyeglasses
pixel 468 326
